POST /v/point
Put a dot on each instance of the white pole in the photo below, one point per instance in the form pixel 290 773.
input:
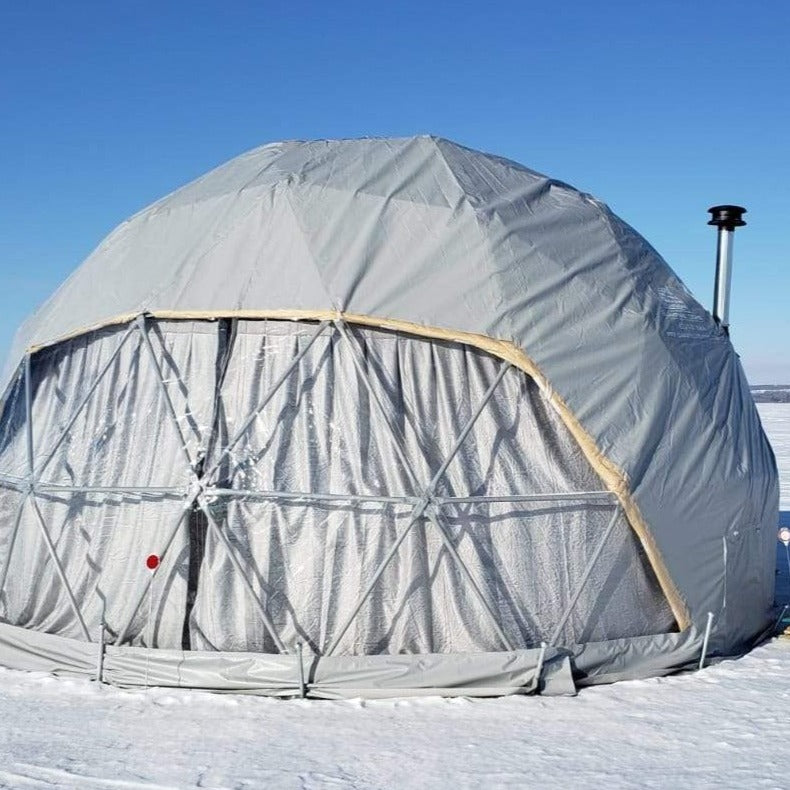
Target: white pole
pixel 705 640
pixel 302 686
pixel 539 668
pixel 100 657
pixel 781 615
pixel 153 564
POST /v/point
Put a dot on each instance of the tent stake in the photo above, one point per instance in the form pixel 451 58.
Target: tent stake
pixel 535 687
pixel 705 640
pixel 302 685
pixel 776 624
pixel 102 642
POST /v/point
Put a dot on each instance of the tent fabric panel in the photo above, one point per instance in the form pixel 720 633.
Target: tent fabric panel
pixel 760 488
pixel 14 462
pixel 352 676
pixel 35 651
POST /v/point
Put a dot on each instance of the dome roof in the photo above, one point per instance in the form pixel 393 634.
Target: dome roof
pixel 419 229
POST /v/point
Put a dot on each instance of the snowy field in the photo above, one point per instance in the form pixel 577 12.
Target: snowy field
pixel 776 422
pixel 721 727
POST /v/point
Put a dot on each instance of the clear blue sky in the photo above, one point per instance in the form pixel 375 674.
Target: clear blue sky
pixel 659 108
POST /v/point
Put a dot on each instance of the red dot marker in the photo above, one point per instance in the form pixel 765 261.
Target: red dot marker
pixel 152 562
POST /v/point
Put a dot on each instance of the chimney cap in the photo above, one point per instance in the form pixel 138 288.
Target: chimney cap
pixel 727 217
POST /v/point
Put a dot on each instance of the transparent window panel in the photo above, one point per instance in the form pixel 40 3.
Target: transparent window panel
pixel 311 563
pixel 531 559
pixel 11 503
pixel 187 353
pixel 102 543
pixel 319 432
pixel 308 563
pixel 124 434
pixel 366 413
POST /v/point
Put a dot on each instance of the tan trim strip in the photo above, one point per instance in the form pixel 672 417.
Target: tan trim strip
pixel 613 478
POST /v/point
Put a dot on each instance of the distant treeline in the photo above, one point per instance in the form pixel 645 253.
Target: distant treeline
pixel 771 393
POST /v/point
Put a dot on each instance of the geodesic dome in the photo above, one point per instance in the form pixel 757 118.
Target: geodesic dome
pixel 393 416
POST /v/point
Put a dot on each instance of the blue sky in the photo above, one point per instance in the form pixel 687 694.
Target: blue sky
pixel 661 109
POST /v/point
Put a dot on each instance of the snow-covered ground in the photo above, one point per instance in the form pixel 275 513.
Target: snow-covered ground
pixel 776 422
pixel 721 727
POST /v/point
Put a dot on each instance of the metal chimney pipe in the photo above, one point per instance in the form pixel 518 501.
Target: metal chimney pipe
pixel 726 219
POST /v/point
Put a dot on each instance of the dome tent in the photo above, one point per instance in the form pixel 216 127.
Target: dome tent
pixel 397 417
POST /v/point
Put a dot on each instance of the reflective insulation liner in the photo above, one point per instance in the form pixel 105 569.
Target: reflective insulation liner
pixel 320 520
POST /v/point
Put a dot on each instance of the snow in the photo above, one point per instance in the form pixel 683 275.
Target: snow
pixel 776 423
pixel 722 726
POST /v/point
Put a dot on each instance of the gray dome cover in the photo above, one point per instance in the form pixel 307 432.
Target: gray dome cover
pixel 426 236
